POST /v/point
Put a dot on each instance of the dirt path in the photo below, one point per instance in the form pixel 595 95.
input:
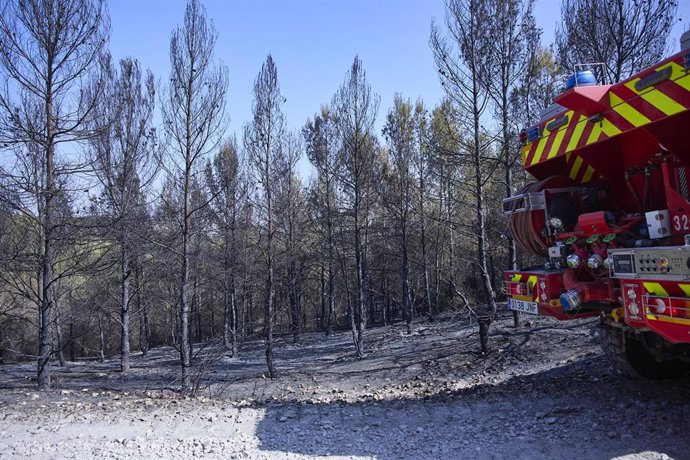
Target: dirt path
pixel 546 392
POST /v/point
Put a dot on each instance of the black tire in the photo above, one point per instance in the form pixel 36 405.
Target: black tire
pixel 634 360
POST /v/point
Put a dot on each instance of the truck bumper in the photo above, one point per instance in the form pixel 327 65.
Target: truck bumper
pixel 538 292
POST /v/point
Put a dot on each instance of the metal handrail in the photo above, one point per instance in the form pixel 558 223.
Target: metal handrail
pixel 533 200
pixel 668 307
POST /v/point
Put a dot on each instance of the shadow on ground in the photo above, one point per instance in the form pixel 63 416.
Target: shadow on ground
pixel 574 411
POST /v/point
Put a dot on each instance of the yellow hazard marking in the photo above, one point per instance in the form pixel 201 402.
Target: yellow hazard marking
pixel 678 74
pixel 675 68
pixel 658 290
pixel 668 319
pixel 684 81
pixel 532 281
pixel 631 85
pixel 576 168
pixel 557 143
pixel 627 111
pixel 609 128
pixel 589 172
pixel 577 133
pixel 655 289
pixel 685 288
pixel 526 298
pixel 594 134
pixel 651 95
pixel 540 147
pixel 525 152
pixel 663 102
pixel 517 277
pixel 560 135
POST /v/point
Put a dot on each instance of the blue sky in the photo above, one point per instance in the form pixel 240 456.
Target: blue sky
pixel 313 43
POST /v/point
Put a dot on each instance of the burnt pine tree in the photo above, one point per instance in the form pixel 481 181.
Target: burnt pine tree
pixel 321 139
pixel 515 34
pixel 264 143
pixel 463 58
pixel 422 199
pixel 49 49
pixel 355 108
pixel 625 35
pixel 400 132
pixel 292 220
pixel 193 110
pixel 224 177
pixel 121 157
pixel 443 147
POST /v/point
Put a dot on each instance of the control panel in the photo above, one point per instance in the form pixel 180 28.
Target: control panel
pixel 666 263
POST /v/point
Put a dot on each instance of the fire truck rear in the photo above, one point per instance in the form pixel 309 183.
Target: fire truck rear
pixel 609 215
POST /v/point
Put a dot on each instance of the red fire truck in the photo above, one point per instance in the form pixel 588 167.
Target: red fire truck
pixel 609 215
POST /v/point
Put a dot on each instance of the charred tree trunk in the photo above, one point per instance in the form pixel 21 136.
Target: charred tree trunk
pixel 485 317
pixel 197 304
pixel 185 343
pixel 331 272
pixel 270 288
pixel 508 166
pixel 58 335
pixel 360 315
pixel 293 300
pixel 46 304
pixel 431 306
pixel 124 310
pixel 322 283
pixel 229 314
pixel 229 282
pixel 72 349
pixel 101 337
pixel 407 298
pixel 142 308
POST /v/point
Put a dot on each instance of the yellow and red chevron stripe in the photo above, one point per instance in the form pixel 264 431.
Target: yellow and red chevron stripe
pixel 576 133
pixel 578 169
pixel 529 281
pixel 672 322
pixel 628 108
pixel 633 108
pixel 661 290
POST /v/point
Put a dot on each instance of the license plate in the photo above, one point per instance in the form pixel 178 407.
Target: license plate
pixel 525 307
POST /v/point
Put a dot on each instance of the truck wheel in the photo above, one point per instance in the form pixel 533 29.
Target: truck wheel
pixel 634 360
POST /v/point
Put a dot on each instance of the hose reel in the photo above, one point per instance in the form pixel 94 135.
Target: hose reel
pixel 536 204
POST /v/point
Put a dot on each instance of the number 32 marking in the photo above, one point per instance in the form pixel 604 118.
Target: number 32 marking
pixel 681 222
